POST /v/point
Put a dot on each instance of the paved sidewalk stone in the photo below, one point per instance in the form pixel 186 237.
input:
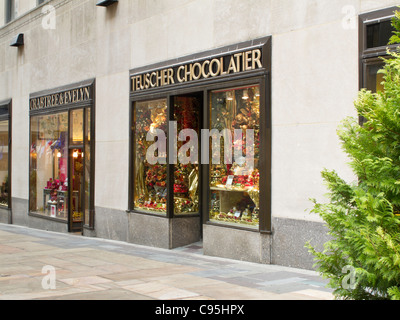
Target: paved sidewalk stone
pixel 98 269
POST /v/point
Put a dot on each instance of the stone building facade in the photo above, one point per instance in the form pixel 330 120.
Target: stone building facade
pixel 76 87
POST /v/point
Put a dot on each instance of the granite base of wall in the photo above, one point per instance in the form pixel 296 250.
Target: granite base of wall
pixel 284 246
pixel 161 232
pixel 109 224
pixel 5 216
pixel 289 238
pixel 236 244
pixel 148 230
pixel 21 217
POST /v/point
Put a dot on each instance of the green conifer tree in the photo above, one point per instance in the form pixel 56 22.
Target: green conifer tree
pixel 362 259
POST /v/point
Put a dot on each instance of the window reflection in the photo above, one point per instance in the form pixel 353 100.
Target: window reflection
pixel 374 79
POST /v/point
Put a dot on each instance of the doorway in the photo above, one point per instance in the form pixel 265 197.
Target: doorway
pixel 185 172
pixel 79 173
pixel 76 189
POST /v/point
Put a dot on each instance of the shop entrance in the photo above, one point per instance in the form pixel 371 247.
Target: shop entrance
pixel 76 156
pixel 79 170
pixel 186 112
pixel 61 174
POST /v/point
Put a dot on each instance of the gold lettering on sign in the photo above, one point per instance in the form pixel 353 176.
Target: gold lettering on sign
pixel 212 63
pixel 180 69
pixel 232 66
pixel 213 67
pixel 257 59
pixel 203 69
pixel 196 71
pixel 61 98
pixel 171 76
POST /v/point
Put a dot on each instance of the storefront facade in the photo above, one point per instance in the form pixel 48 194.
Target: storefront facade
pixel 61 185
pixel 213 113
pixel 168 124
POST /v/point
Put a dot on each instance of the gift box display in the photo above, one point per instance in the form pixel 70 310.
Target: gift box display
pixel 54 197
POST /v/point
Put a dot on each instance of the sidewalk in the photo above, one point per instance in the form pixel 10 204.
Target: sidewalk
pixel 93 269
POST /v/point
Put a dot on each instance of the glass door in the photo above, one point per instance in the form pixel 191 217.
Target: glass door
pixel 185 114
pixel 76 189
pixel 76 177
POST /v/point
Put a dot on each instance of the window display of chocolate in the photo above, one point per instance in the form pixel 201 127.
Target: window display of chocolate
pixel 49 165
pixel 150 192
pixel 234 185
pixel 186 176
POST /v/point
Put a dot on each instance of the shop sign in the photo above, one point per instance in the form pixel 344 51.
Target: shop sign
pixel 61 98
pixel 197 70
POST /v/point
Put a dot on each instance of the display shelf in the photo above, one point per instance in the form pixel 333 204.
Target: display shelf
pixel 237 189
pixel 46 200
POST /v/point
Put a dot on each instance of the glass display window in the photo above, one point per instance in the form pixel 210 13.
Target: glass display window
pixel 234 174
pixel 49 165
pixel 234 156
pixel 4 161
pixel 5 155
pixel 150 179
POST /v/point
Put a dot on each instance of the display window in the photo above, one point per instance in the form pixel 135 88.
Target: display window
pixel 49 165
pixel 151 190
pixel 167 167
pixel 234 180
pixel 61 163
pixel 150 179
pixel 4 171
pixel 201 138
pixel 5 155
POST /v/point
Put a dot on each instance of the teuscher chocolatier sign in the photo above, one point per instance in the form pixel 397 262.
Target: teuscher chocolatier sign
pixel 237 62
